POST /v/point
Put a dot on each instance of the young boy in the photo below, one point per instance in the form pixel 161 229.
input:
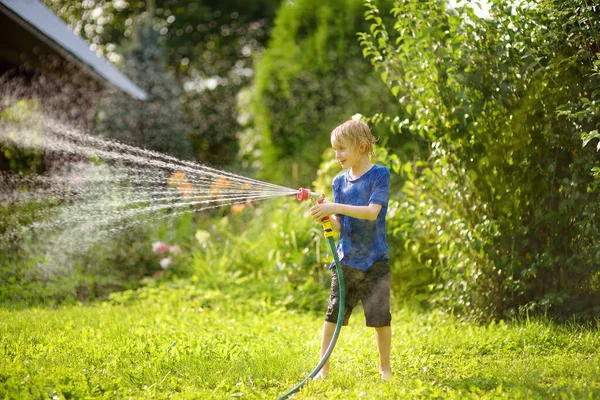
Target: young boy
pixel 358 212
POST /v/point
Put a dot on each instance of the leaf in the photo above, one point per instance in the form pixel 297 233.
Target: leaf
pixel 395 90
pixel 587 137
pixel 384 76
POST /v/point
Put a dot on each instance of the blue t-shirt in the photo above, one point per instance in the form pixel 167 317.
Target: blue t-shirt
pixel 362 242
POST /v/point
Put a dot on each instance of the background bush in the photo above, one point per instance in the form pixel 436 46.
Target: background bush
pixel 504 209
pixel 311 78
pixel 273 252
pixel 487 123
pixel 48 267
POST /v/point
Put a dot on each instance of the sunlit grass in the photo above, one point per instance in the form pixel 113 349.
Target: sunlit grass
pixel 184 344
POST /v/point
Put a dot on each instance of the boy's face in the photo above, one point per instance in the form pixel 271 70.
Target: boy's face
pixel 347 155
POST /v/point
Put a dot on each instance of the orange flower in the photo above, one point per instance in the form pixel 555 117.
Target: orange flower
pixel 214 190
pixel 176 179
pixel 186 189
pixel 237 208
pixel 222 182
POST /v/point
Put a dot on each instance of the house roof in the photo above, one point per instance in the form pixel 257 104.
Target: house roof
pixel 49 28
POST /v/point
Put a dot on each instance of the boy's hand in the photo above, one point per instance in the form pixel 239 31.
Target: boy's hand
pixel 320 211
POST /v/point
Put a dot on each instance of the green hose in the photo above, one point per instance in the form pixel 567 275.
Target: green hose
pixel 338 326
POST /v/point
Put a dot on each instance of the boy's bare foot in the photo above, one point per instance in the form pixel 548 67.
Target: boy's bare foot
pixel 321 375
pixel 385 375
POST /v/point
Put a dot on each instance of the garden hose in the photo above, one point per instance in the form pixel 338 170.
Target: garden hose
pixel 304 194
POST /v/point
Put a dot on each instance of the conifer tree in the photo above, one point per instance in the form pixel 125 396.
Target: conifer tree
pixel 157 123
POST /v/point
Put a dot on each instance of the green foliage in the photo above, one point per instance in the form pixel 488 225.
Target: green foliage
pixel 504 210
pixel 23 113
pixel 190 343
pixel 310 79
pixel 209 47
pixel 274 252
pixel 42 269
pixel 157 123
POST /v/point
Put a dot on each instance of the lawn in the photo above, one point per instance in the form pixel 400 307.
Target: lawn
pixel 181 342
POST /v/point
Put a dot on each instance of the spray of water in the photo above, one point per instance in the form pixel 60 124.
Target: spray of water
pixel 109 186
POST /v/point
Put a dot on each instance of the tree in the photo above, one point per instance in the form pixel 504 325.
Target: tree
pixel 208 45
pixel 157 123
pixel 311 78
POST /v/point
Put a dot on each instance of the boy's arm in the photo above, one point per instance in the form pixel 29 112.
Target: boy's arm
pixel 323 210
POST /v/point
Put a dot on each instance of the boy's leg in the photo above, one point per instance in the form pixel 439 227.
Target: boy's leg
pixel 327 335
pixel 384 343
pixel 376 304
pixel 331 316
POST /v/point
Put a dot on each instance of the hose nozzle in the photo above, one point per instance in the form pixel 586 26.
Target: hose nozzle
pixel 305 194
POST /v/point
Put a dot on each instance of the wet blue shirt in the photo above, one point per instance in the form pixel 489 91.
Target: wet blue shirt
pixel 362 242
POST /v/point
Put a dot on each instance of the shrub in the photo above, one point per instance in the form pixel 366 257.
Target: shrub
pixel 311 78
pixel 273 252
pixel 505 207
pixel 54 267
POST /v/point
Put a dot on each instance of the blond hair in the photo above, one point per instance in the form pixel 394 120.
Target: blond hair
pixel 355 133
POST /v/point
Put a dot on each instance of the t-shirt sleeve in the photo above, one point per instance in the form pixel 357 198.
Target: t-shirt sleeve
pixel 335 189
pixel 381 188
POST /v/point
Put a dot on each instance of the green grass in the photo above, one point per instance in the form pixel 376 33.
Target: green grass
pixel 186 343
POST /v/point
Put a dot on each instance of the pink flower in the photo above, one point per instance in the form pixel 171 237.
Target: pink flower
pixel 175 250
pixel 160 248
pixel 158 274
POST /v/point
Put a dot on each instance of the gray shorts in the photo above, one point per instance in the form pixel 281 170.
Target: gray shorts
pixel 371 287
